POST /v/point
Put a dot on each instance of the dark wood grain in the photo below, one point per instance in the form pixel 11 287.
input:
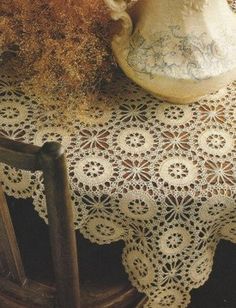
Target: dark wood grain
pixel 19 155
pixel 50 159
pixel 32 294
pixel 9 244
pixel 98 290
pixel 61 226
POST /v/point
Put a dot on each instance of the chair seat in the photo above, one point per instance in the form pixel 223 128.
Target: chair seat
pixel 103 264
pixel 103 280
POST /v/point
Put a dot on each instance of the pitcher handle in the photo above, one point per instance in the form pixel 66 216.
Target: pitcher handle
pixel 119 12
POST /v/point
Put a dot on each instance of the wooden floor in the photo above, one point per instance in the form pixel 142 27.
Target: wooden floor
pixel 218 292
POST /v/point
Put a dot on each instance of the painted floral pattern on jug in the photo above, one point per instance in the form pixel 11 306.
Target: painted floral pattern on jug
pixel 179 50
pixel 178 56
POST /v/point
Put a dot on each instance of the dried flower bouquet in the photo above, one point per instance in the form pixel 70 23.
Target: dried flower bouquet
pixel 61 48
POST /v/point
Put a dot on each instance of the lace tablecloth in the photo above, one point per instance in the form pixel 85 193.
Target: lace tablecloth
pixel 160 177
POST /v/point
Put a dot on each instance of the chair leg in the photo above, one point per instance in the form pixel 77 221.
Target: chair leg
pixel 9 250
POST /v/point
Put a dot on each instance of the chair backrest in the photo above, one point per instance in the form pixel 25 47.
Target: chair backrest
pixel 51 161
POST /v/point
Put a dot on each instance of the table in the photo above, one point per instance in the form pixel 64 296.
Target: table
pixel 161 177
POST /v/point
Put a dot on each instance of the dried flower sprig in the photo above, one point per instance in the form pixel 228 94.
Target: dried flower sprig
pixel 60 47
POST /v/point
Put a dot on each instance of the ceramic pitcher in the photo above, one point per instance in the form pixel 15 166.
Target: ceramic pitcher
pixel 177 49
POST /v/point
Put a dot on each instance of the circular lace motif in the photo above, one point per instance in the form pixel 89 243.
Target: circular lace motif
pixel 12 113
pixel 95 205
pixel 175 140
pixel 141 235
pixel 171 273
pixel 178 208
pixel 15 134
pixel 169 298
pixel 173 114
pixel 49 134
pixel 174 240
pixel 216 142
pixel 178 171
pixel 133 112
pixel 211 113
pixel 18 183
pixel 135 140
pixel 94 170
pixel 215 208
pixel 201 269
pixel 8 87
pixel 220 173
pixel 90 139
pixel 139 267
pixel 156 175
pixel 138 205
pixel 228 232
pixel 138 170
pixel 102 230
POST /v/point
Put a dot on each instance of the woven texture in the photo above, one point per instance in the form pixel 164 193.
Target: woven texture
pixel 161 177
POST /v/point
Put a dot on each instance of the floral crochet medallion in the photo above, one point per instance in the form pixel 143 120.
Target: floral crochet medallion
pixel 179 50
pixel 158 176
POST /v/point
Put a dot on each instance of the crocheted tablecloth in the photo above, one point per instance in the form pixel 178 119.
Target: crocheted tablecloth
pixel 158 176
pixel 161 177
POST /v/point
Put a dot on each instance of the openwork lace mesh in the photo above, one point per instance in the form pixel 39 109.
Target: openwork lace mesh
pixel 160 177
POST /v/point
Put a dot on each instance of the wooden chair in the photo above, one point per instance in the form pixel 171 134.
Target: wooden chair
pixel 16 289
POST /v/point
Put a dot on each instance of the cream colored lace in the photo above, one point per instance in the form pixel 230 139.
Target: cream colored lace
pixel 160 177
